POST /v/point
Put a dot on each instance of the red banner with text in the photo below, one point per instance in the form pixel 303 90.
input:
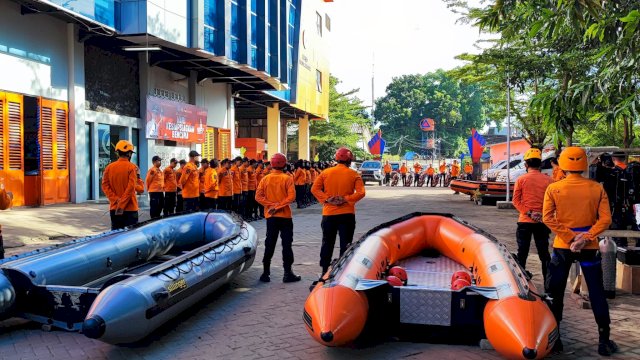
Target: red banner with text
pixel 175 121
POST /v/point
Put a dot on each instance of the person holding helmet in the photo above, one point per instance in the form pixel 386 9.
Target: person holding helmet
pixel 190 181
pixel 528 197
pixel 155 188
pixel 339 189
pixel 119 182
pixel 170 187
pixel 576 209
pixel 276 192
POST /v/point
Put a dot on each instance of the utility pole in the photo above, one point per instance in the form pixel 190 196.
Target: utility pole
pixel 508 139
pixel 373 85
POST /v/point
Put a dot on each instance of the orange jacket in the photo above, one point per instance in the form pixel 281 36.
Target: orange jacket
pixel 300 176
pixel 237 180
pixel 339 181
pixel 557 174
pixel 528 193
pixel 387 169
pixel 443 169
pixel 430 171
pixel 139 186
pixel 190 182
pixel 155 180
pixel 119 185
pixel 576 203
pixel 201 180
pixel 225 182
pixel 308 174
pixel 211 187
pixel 259 175
pixel 314 176
pixel 178 175
pixel 253 181
pixel 5 200
pixel 468 169
pixel 417 168
pixel 170 180
pixel 244 172
pixel 403 169
pixel 455 170
pixel 277 191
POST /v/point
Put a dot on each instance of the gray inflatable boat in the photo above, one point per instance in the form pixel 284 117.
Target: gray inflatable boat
pixel 121 285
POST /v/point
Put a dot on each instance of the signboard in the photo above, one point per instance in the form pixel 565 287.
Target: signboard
pixel 427 124
pixel 171 120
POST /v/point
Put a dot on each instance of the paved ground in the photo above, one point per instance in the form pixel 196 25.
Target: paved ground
pixel 251 320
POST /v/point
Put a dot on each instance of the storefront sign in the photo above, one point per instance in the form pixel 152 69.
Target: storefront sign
pixel 171 120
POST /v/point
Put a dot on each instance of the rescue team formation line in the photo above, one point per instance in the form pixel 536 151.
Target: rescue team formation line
pixel 517 321
pixel 119 286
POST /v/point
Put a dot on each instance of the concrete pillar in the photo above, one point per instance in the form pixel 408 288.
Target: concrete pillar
pixel 273 130
pixel 146 147
pixel 75 128
pixel 303 138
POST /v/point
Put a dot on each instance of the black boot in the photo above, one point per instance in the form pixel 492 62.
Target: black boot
pixel 265 277
pixel 289 276
pixel 606 347
pixel 325 269
pixel 557 347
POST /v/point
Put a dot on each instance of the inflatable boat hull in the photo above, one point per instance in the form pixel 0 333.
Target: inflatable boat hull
pixel 485 188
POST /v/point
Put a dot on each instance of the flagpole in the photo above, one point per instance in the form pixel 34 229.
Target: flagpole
pixel 508 140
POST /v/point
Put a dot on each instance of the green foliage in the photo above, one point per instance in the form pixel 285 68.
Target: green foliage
pixel 345 112
pixel 455 105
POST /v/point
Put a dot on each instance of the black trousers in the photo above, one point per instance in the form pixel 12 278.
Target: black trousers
pixel 191 204
pixel 590 262
pixel 242 210
pixel 404 179
pixel 252 204
pixel 156 204
pixel 202 202
pixel 224 203
pixel 169 203
pixel 179 203
pixel 300 194
pixel 283 227
pixel 540 233
pixel 429 180
pixel 441 179
pixel 332 225
pixel 237 198
pixel 128 218
pixel 416 178
pixel 387 179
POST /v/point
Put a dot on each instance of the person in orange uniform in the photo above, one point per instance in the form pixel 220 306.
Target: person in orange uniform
pixel 202 202
pixel 468 170
pixel 577 211
pixel 170 187
pixel 339 189
pixel 237 184
pixel 119 185
pixel 276 192
pixel 403 172
pixel 180 201
pixel 443 174
pixel 314 176
pixel 155 188
pixel 387 172
pixel 211 186
pixel 308 184
pixel 455 172
pixel 252 205
pixel 225 187
pixel 417 169
pixel 299 180
pixel 190 182
pixel 139 183
pixel 528 196
pixel 244 199
pixel 430 173
pixel 6 201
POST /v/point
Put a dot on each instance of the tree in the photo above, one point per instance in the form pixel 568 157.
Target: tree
pixel 455 105
pixel 345 111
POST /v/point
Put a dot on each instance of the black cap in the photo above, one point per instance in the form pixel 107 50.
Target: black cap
pixel 193 153
pixel 156 158
pixel 173 160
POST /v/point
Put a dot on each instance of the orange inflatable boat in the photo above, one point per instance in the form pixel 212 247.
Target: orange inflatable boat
pixel 490 188
pixel 431 290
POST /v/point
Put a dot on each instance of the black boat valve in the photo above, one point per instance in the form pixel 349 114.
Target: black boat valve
pixel 93 327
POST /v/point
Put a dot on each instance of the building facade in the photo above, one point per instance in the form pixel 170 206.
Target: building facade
pixel 224 77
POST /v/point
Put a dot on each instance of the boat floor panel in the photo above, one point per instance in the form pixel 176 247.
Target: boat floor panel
pixel 430 272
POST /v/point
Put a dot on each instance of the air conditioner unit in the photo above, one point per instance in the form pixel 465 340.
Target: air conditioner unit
pixel 256 122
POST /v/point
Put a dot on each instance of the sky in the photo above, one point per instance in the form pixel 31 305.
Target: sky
pixel 406 36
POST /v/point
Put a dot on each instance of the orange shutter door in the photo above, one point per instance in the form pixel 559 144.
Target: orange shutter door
pixel 62 152
pixel 54 160
pixel 224 143
pixel 208 148
pixel 12 146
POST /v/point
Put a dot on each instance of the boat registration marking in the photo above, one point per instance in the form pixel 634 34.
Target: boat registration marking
pixel 177 285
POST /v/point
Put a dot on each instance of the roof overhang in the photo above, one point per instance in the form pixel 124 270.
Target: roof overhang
pixel 29 7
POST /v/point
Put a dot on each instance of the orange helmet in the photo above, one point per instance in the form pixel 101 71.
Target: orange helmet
pixel 461 274
pixel 533 153
pixel 399 272
pixel 344 154
pixel 573 159
pixel 460 284
pixel 124 146
pixel 394 281
pixel 278 160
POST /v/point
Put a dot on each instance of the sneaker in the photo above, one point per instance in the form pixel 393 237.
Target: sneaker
pixel 265 277
pixel 291 277
pixel 557 347
pixel 607 348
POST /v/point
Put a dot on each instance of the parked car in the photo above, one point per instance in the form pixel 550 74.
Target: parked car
pixel 371 170
pixel 492 173
pixel 519 170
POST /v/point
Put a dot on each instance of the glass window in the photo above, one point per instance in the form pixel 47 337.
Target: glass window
pixel 254 29
pixel 319 80
pixel 371 165
pixel 235 51
pixel 235 24
pixel 319 23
